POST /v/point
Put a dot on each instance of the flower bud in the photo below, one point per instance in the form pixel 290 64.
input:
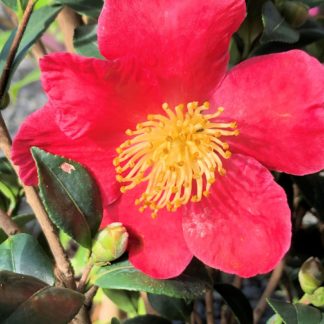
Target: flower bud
pixel 5 101
pixel 311 275
pixel 110 243
pixel 296 13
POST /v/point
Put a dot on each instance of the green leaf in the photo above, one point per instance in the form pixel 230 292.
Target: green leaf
pixel 296 313
pixel 10 188
pixel 237 301
pixel 50 305
pixel 313 3
pixel 12 4
pixel 114 320
pixel 171 308
pixel 252 26
pixel 15 88
pixel 38 23
pixel 276 29
pixel 89 8
pixel 85 41
pixel 122 275
pixel 70 195
pixel 147 319
pixel 21 253
pixel 14 290
pixel 126 300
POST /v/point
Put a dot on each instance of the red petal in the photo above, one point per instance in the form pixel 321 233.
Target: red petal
pixel 278 102
pixel 184 42
pixel 244 226
pixel 156 246
pixel 40 130
pixel 96 97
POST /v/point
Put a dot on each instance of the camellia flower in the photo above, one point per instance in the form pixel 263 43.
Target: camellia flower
pixel 180 147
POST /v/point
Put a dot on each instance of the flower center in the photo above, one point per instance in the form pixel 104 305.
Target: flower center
pixel 177 154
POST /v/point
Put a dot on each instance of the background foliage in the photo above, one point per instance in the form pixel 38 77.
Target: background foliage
pixel 29 290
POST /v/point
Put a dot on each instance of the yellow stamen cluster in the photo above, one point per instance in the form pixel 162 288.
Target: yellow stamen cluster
pixel 177 154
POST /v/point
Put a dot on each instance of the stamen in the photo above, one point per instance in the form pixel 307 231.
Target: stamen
pixel 177 154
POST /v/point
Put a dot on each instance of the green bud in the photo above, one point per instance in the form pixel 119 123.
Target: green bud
pixel 5 101
pixel 311 275
pixel 296 13
pixel 317 298
pixel 110 243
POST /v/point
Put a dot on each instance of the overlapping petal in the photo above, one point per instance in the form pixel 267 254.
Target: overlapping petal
pixel 184 42
pixel 97 98
pixel 156 246
pixel 278 102
pixel 244 226
pixel 40 130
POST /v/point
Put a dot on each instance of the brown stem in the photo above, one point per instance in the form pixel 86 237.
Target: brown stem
pixel 14 46
pixel 7 224
pixel 89 295
pixel 272 285
pixel 84 278
pixel 39 50
pixel 68 21
pixel 61 259
pixel 209 301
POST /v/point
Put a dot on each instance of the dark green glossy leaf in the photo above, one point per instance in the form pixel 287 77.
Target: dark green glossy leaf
pixel 38 23
pixel 21 253
pixel 70 195
pixel 114 321
pixel 85 41
pixel 12 4
pixel 313 3
pixel 252 27
pixel 312 187
pixel 276 29
pixel 89 8
pixel 49 305
pixel 14 290
pixel 296 313
pixel 122 275
pixel 147 319
pixel 126 300
pixel 171 308
pixel 310 32
pixel 237 301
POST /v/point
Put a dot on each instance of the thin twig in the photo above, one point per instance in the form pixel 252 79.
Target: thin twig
pixel 39 50
pixel 272 285
pixel 89 295
pixel 7 224
pixel 68 20
pixel 14 47
pixel 209 301
pixel 84 278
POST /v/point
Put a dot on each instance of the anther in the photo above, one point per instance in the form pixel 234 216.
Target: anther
pixel 179 156
pixel 119 150
pixel 222 172
pixel 228 154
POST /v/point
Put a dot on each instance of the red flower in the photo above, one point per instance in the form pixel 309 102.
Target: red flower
pixel 177 52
